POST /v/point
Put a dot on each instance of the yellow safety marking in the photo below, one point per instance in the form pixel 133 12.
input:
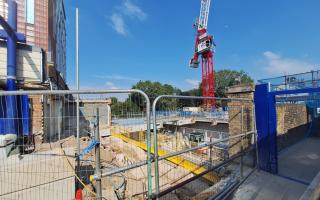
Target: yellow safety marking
pixel 196 169
pixel 130 141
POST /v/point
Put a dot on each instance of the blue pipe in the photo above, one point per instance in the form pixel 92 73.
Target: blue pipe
pixel 11 101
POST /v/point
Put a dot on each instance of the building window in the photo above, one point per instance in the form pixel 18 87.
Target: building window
pixel 30 11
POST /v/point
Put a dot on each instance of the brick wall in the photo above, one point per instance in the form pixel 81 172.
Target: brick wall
pixel 290 116
pixel 240 116
pixel 292 119
pixel 46 118
pixel 37 120
pixel 292 123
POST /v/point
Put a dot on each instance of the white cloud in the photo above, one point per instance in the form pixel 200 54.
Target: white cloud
pixel 117 77
pixel 120 14
pixel 275 64
pixel 133 10
pixel 111 86
pixel 194 83
pixel 109 83
pixel 118 24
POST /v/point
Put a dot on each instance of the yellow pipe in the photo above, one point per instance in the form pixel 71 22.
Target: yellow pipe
pixel 196 169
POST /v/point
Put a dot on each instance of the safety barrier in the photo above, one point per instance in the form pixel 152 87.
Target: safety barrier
pixel 91 145
pixel 190 152
pixel 62 138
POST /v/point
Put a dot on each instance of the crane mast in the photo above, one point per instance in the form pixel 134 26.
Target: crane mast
pixel 204 51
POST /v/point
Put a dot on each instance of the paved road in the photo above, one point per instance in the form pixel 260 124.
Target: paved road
pixel 298 165
pixel 301 161
pixel 264 186
pixel 37 176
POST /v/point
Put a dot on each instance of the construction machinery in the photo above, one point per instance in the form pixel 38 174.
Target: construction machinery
pixel 204 50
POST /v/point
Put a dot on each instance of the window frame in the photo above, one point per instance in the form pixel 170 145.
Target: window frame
pixel 29 11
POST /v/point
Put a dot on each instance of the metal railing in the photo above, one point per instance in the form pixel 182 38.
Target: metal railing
pixel 179 158
pixel 49 159
pixel 111 157
pixel 295 81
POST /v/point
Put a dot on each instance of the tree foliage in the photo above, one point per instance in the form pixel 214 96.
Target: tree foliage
pixel 136 103
pixel 191 102
pixel 153 90
pixel 122 109
pixel 227 78
pixel 223 79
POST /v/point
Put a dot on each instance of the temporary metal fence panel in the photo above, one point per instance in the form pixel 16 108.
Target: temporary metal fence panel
pixel 111 158
pixel 193 144
pixel 265 100
pixel 45 161
pixel 297 118
pixel 293 82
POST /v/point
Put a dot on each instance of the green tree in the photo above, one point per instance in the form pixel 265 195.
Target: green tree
pixel 153 90
pixel 227 78
pixel 123 109
pixel 136 103
pixel 114 100
pixel 224 79
pixel 191 102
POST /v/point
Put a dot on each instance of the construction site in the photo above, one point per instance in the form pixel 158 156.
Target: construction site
pixel 260 140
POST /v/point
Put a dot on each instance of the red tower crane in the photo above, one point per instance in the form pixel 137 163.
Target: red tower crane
pixel 204 50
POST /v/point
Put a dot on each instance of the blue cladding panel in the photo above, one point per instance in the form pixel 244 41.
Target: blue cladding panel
pixel 266 128
pixel 21 122
pixel 11 125
pixel 25 115
pixel 9 105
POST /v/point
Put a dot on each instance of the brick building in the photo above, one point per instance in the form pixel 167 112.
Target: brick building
pixel 43 23
pixel 41 62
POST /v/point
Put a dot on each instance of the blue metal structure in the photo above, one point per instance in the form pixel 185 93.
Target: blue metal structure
pixel 266 119
pixel 25 116
pixel 266 123
pixel 10 122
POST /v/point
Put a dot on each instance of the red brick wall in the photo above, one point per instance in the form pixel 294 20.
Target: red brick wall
pixel 37 33
pixel 36 115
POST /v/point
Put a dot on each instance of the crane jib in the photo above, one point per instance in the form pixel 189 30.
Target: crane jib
pixel 204 14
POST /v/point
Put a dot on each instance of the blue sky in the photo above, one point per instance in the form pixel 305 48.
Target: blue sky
pixel 123 41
